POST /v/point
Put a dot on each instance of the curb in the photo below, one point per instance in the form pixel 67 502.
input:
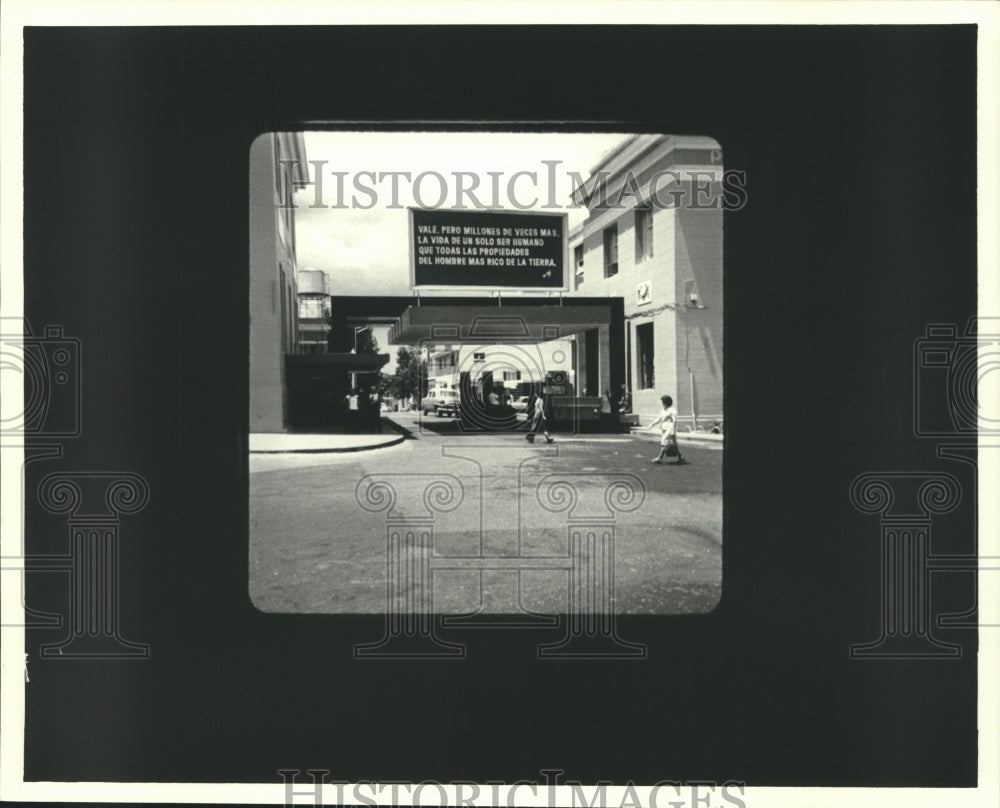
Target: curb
pixel 332 449
pixel 707 437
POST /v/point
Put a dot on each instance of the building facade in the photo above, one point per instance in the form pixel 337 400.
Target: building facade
pixel 517 367
pixel 274 159
pixel 653 236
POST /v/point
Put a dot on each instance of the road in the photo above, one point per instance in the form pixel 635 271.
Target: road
pixel 318 530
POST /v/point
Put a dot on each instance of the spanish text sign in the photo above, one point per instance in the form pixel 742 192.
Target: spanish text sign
pixel 487 249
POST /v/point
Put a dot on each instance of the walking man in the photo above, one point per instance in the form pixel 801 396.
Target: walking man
pixel 537 415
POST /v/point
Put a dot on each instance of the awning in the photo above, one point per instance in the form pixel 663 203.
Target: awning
pixel 359 363
pixel 456 324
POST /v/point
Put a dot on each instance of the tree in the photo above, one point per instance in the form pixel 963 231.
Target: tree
pixel 366 342
pixel 410 378
pixel 384 384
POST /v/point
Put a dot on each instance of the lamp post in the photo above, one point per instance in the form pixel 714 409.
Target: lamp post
pixel 358 329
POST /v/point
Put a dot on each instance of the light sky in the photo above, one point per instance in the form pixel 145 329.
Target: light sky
pixel 365 251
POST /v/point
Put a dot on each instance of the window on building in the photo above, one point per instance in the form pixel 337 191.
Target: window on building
pixel 311 308
pixel 578 265
pixel 611 251
pixel 644 356
pixel 479 357
pixel 512 375
pixel 643 234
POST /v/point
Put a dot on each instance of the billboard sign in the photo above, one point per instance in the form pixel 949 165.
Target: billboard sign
pixel 487 249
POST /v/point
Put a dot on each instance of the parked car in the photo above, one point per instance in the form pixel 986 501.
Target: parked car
pixel 520 404
pixel 441 403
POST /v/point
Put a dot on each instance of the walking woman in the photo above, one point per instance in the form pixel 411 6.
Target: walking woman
pixel 668 432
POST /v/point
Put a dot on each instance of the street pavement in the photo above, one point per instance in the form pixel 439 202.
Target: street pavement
pixel 318 522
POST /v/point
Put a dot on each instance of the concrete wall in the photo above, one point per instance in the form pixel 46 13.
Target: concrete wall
pixel 273 299
pixel 700 329
pixel 687 248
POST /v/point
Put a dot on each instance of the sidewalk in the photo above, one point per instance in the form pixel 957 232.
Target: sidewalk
pixel 654 435
pixel 283 442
